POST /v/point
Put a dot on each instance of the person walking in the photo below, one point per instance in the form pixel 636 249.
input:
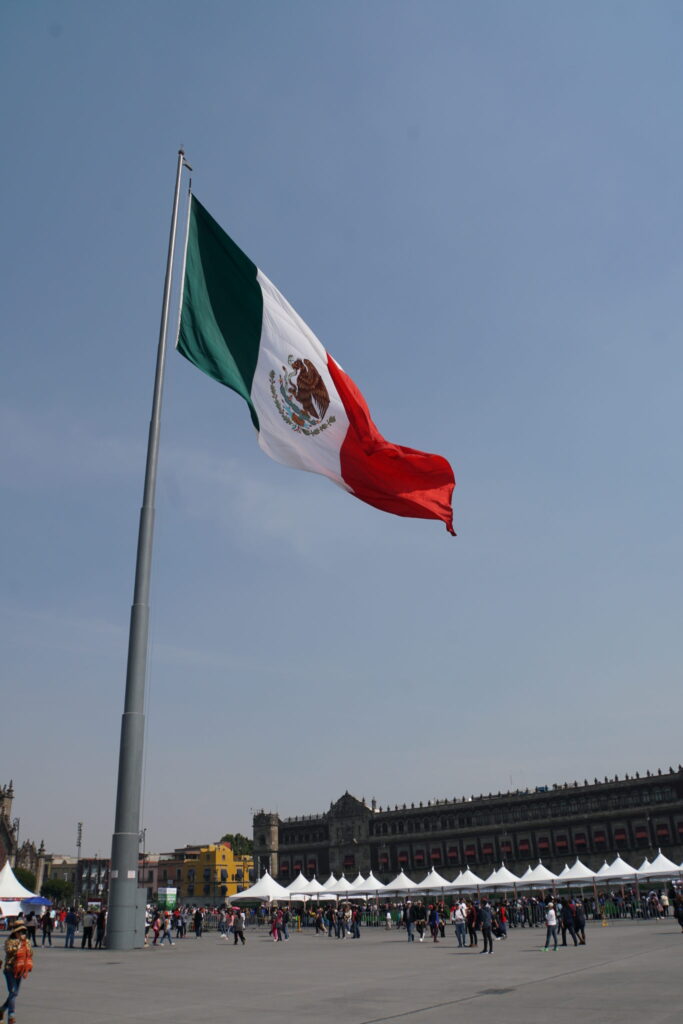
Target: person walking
pixel 433 922
pixel 567 921
pixel 18 965
pixel 458 919
pixel 100 927
pixel 551 926
pixel 420 919
pixel 409 920
pixel 580 922
pixel 238 927
pixel 487 927
pixel 46 928
pixel 503 921
pixel 471 918
pixel 355 923
pixel 71 922
pixel 31 925
pixel 88 925
pixel 198 923
pixel 166 930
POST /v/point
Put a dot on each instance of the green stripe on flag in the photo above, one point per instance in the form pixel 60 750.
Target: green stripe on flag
pixel 220 323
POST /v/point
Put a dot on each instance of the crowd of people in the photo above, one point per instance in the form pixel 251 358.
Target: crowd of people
pixel 476 921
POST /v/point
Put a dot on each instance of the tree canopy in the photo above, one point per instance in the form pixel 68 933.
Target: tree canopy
pixel 241 846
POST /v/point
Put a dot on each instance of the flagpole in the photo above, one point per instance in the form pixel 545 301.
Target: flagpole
pixel 123 885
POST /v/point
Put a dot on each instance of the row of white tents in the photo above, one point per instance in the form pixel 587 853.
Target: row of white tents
pixel 266 890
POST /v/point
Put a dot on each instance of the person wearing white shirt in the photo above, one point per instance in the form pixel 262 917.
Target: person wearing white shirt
pixel 551 926
pixel 459 920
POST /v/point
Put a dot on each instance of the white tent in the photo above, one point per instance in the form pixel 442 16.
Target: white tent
pixel 312 890
pixel 433 881
pixel 466 880
pixel 299 884
pixel 372 885
pixel 343 886
pixel 401 884
pixel 15 897
pixel 11 888
pixel 538 876
pixel 660 867
pixel 501 878
pixel 315 887
pixel 644 867
pixel 333 884
pixel 620 869
pixel 577 874
pixel 265 891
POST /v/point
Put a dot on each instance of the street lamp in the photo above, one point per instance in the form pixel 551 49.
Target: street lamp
pixel 78 888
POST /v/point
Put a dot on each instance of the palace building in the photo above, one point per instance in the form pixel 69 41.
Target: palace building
pixel 632 816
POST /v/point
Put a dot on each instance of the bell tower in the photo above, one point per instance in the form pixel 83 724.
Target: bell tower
pixel 266 843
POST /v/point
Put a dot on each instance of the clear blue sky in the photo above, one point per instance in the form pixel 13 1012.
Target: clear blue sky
pixel 477 207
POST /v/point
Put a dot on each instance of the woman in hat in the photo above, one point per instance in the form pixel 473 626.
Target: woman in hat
pixel 18 964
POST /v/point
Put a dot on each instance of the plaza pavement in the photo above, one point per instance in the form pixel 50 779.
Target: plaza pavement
pixel 627 972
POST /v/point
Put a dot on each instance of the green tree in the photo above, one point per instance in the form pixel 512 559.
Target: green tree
pixel 26 878
pixel 240 845
pixel 57 890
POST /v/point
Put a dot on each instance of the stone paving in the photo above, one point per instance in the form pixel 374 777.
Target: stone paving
pixel 627 972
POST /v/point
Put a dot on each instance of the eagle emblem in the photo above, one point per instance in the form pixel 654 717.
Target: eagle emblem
pixel 301 397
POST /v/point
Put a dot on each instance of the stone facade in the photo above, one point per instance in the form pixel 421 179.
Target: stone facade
pixel 8 841
pixel 632 816
pixel 20 855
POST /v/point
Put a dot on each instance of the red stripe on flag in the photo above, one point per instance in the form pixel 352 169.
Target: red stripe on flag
pixel 388 476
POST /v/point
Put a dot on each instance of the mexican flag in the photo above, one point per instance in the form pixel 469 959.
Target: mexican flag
pixel 237 327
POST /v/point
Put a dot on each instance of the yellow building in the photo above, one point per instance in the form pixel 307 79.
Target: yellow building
pixel 214 875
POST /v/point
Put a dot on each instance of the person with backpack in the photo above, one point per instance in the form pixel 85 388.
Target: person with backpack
pixel 18 965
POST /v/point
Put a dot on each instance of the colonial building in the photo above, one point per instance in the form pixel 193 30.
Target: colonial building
pixel 25 855
pixel 632 816
pixel 8 826
pixel 214 875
